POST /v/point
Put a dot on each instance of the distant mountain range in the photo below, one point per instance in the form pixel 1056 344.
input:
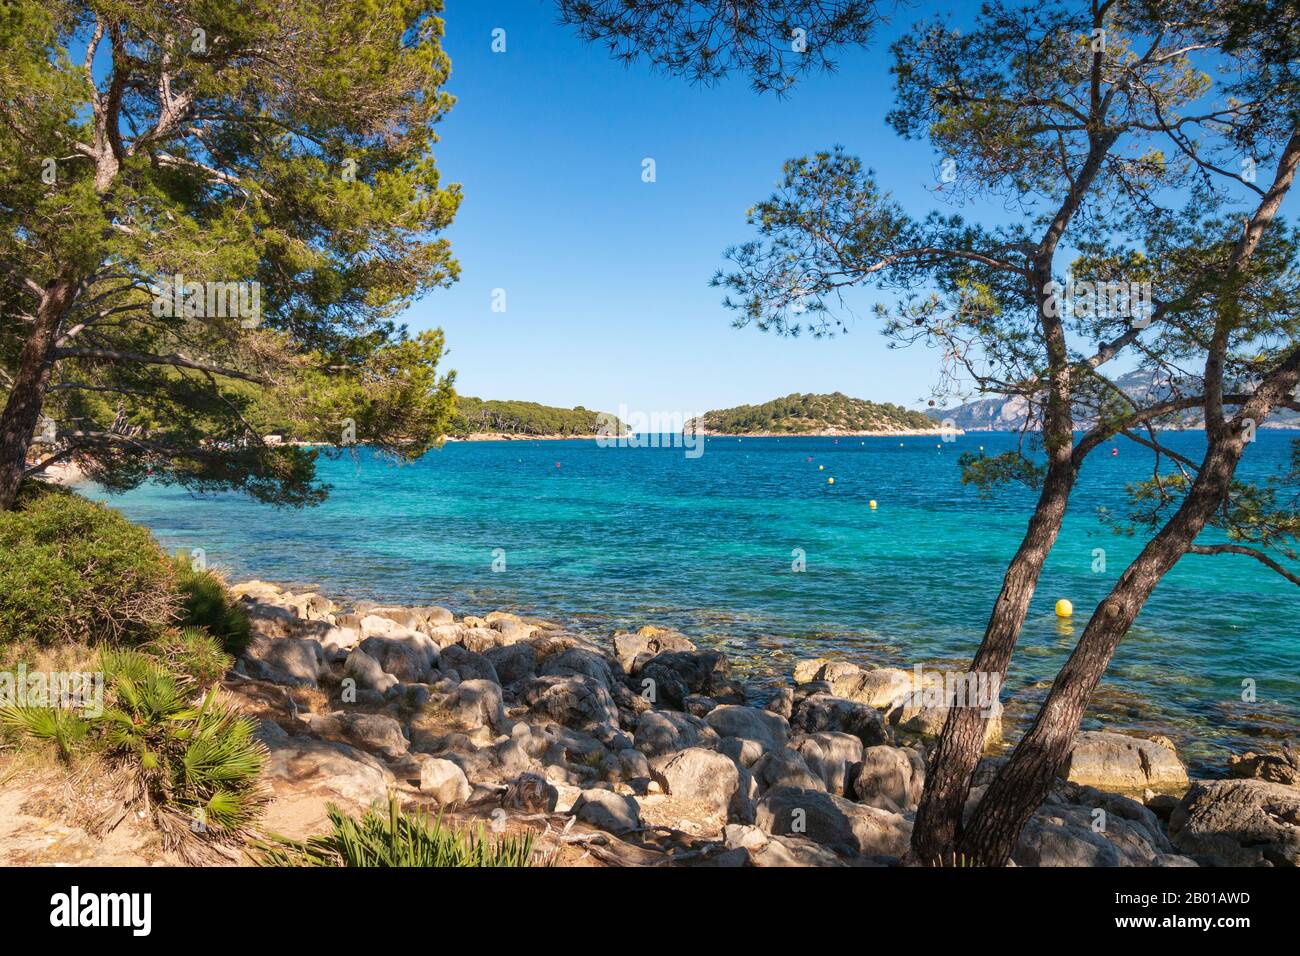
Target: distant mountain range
pixel 1008 414
pixel 797 414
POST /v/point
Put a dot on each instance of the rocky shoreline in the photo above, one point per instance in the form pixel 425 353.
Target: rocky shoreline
pixel 646 751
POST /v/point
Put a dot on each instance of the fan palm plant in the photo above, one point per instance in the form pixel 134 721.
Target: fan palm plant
pixel 398 839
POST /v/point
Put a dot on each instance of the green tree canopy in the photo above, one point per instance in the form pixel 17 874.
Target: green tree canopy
pixel 210 216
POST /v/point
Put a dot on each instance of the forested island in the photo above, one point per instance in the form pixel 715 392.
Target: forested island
pixel 478 417
pixel 798 414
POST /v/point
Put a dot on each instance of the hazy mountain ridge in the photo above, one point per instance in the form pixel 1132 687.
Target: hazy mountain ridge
pixel 1001 413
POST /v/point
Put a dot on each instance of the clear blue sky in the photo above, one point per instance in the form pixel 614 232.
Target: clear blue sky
pixel 606 276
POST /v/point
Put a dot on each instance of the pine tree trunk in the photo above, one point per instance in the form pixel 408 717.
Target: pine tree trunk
pixel 1024 782
pixel 961 744
pixel 23 409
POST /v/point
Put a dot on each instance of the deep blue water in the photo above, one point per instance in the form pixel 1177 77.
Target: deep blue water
pixel 601 538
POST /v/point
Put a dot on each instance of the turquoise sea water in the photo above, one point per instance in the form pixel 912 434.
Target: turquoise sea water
pixel 603 538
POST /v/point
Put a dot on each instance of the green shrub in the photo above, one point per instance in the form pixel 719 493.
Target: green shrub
pixel 193 653
pixel 191 760
pixel 72 570
pixel 206 603
pixel 398 839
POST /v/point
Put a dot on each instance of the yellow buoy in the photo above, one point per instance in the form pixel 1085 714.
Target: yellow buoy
pixel 821 467
pixel 1064 608
pixel 872 503
pixel 830 481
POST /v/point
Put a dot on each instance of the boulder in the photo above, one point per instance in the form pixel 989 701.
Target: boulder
pixel 337 642
pixel 1282 766
pixel 1239 823
pixel 1082 826
pixel 698 704
pixel 830 756
pixel 648 640
pixel 824 712
pixel 697 774
pixel 608 811
pixel 807 671
pixel 843 826
pixel 434 616
pixel 575 700
pixel 441 779
pixel 672 676
pixel 407 656
pixel 579 662
pixel 784 767
pixel 478 703
pixel 480 639
pixel 1110 761
pixel 662 731
pixel 512 629
pixel 781 702
pixel 770 731
pixel 375 733
pixel 297 662
pixel 470 665
pixel 276 621
pixel 304 774
pixel 366 672
pixel 256 591
pixel 890 778
pixel 512 662
pixel 744 753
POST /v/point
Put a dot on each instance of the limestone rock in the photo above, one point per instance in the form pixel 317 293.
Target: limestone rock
pixel 367 673
pixel 770 731
pixel 661 731
pixel 1281 766
pixel 824 712
pixel 1239 823
pixel 298 662
pixel 607 810
pixel 830 756
pixel 441 779
pixel 838 824
pixel 891 778
pixel 697 774
pixel 1110 761
pixel 648 640
pixel 478 703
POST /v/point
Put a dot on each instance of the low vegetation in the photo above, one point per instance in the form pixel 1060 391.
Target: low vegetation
pixel 72 570
pixel 188 759
pixel 398 839
pixel 803 414
pixel 205 603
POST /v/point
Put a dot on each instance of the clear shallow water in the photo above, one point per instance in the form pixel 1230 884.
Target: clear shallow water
pixel 623 537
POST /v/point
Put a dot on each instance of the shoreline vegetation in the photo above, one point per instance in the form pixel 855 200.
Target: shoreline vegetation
pixel 372 713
